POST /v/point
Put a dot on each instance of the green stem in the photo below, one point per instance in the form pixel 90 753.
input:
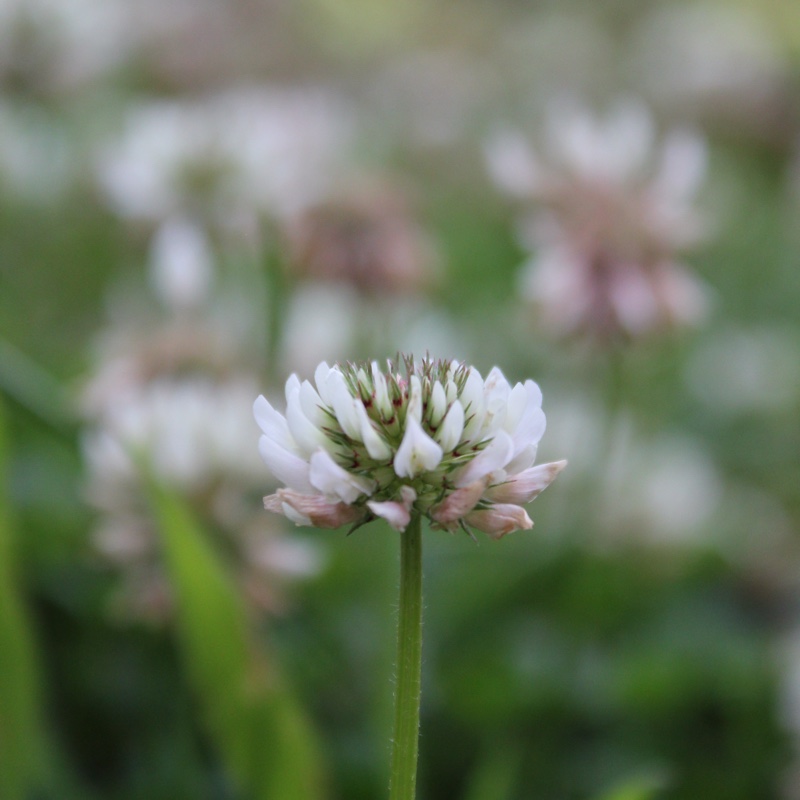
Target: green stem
pixel 402 785
pixel 278 300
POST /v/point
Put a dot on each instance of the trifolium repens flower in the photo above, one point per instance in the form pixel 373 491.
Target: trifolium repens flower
pixel 432 438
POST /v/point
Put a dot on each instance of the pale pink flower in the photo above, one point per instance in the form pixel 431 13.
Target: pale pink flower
pixel 612 209
pixel 499 519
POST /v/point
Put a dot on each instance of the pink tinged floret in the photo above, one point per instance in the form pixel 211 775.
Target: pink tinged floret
pixel 312 509
pixel 397 514
pixel 332 480
pixel 457 504
pixel 417 453
pixel 493 457
pixel 525 486
pixel 499 519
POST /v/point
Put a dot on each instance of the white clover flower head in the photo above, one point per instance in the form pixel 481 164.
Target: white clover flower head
pixel 426 437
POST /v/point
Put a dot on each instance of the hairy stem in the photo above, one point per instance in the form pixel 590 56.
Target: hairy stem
pixel 403 781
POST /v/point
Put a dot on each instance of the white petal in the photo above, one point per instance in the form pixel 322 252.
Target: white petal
pixel 363 380
pixel 308 437
pixel 533 392
pixel 321 379
pixel 284 465
pixel 496 395
pixel 529 430
pixel 273 424
pixel 493 457
pixel 311 403
pixel 449 434
pixel 382 400
pixel 523 397
pixel 343 404
pixel 414 408
pixel 332 480
pixel 292 383
pixel 396 514
pixel 515 408
pixel 438 404
pixel 373 441
pixel 472 400
pixel 417 452
pixel 522 460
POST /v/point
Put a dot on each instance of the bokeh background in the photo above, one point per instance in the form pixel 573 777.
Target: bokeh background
pixel 197 199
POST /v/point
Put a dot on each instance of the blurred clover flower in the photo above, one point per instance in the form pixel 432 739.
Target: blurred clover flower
pixel 612 211
pixel 428 438
pixel 229 159
pixel 366 237
pixel 173 392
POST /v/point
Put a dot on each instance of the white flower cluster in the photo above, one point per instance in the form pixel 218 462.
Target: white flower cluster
pixel 237 152
pixel 432 438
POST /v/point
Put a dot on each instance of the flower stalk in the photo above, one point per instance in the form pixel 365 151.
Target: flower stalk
pixel 403 780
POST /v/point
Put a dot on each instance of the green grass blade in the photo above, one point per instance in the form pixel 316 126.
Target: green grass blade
pixel 22 750
pixel 260 731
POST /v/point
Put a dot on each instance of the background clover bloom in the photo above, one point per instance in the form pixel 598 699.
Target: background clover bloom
pixel 613 207
pixel 429 438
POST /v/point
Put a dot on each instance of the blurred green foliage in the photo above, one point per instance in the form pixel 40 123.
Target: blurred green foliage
pixel 564 663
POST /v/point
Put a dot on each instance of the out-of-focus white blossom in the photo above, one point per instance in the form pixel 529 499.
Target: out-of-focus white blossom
pixel 431 438
pixel 188 430
pixel 662 490
pixel 181 264
pixel 172 395
pixel 241 152
pixel 739 370
pixel 50 45
pixel 612 209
